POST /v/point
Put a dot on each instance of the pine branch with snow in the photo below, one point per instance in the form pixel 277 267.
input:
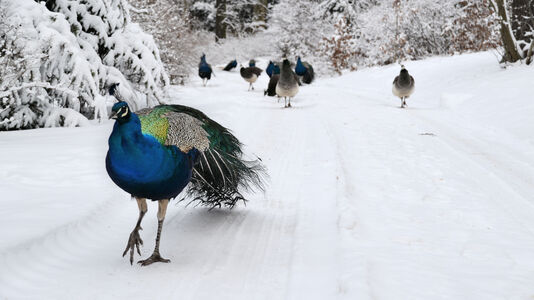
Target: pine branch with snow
pixel 63 59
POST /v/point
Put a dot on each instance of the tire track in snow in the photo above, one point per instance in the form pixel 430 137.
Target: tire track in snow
pixel 513 171
pixel 31 268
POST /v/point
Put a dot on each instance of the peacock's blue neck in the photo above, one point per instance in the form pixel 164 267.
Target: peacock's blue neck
pixel 300 69
pixel 144 167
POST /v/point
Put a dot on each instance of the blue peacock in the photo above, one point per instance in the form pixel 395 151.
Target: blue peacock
pixel 155 153
pixel 304 70
pixel 272 69
pixel 204 70
pixel 231 65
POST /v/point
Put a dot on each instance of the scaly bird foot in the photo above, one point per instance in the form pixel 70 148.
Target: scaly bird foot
pixel 155 257
pixel 133 242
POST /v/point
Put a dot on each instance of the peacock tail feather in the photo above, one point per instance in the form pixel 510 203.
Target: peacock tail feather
pixel 220 172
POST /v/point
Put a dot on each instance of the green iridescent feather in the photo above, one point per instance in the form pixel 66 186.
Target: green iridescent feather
pixel 154 123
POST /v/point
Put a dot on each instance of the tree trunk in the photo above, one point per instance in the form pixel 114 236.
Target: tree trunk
pixel 511 53
pixel 260 12
pixel 530 53
pixel 220 26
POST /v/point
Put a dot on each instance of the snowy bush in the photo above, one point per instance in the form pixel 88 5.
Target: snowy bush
pixel 474 28
pixel 54 64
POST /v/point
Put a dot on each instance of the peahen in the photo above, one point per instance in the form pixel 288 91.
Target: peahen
pixel 231 65
pixel 287 85
pixel 403 86
pixel 250 74
pixel 204 70
pixel 155 153
pixel 305 70
pixel 272 68
pixel 271 88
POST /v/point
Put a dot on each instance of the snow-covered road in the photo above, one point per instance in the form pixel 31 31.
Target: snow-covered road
pixel 365 200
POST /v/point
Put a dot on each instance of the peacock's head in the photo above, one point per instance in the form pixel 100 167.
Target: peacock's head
pixel 120 111
pixel 286 63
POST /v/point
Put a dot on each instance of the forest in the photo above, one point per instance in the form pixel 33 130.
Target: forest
pixel 59 57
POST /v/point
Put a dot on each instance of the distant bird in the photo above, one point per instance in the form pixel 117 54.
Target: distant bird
pixel 271 88
pixel 403 86
pixel 272 68
pixel 230 65
pixel 287 85
pixel 204 70
pixel 250 74
pixel 252 63
pixel 305 70
pixel 156 152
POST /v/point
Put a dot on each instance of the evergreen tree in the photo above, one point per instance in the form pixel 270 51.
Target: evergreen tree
pixel 55 64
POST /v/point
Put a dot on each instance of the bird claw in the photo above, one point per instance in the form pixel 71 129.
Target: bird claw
pixel 155 257
pixel 133 243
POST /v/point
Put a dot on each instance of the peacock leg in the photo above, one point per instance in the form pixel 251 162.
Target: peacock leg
pixel 156 257
pixel 289 104
pixel 135 240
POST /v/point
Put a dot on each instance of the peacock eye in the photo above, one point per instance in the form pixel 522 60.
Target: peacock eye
pixel 123 114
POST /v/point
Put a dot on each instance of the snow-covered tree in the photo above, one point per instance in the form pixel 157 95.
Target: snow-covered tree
pixel 473 28
pixel 341 48
pixel 235 17
pixel 43 81
pixel 389 31
pixel 169 23
pixel 299 27
pixel 517 28
pixel 54 64
pixel 105 26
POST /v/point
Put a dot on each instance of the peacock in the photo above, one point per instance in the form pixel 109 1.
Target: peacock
pixel 204 70
pixel 403 86
pixel 231 65
pixel 250 74
pixel 287 85
pixel 272 68
pixel 155 153
pixel 252 63
pixel 305 70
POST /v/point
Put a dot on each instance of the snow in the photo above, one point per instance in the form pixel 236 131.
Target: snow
pixel 365 201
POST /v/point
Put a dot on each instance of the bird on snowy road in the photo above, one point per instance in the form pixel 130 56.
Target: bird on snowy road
pixel 155 153
pixel 403 85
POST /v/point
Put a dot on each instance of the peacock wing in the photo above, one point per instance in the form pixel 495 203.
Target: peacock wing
pixel 170 127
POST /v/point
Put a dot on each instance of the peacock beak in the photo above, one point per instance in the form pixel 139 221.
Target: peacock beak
pixel 113 115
